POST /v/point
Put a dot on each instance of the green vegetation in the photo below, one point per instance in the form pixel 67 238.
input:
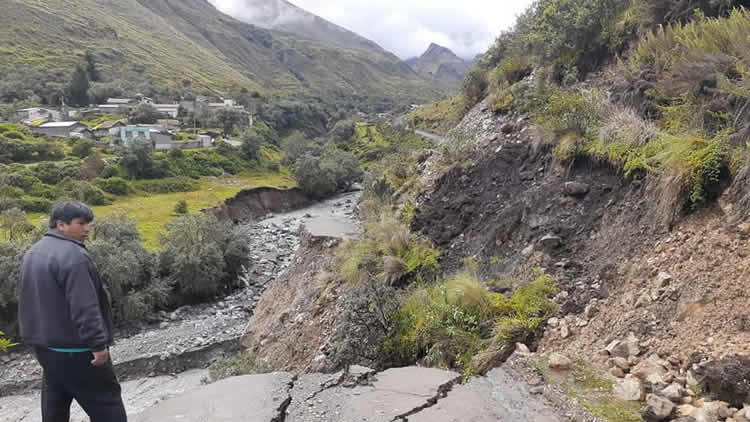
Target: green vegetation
pixel 181 207
pixel 442 325
pixel 5 344
pixel 46 41
pixel 244 363
pixel 677 104
pixel 439 117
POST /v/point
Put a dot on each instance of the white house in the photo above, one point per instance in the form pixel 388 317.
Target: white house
pixel 28 115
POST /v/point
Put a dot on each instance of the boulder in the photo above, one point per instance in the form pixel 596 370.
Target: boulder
pixel 673 392
pixel 576 189
pixel 651 371
pixel 550 241
pixel 621 363
pixel 657 408
pixel 709 412
pixel 726 379
pixel 629 389
pixel 686 410
pixel 559 362
pixel 617 372
pixel 625 348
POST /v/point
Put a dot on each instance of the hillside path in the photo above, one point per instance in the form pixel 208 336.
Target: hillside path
pixel 432 136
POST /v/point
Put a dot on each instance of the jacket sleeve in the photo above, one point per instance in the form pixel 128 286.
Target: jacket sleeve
pixel 83 302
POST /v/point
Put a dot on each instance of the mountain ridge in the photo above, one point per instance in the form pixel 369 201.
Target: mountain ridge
pixel 167 44
pixel 441 65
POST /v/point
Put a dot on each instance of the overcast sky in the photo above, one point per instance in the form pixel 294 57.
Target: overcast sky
pixel 407 27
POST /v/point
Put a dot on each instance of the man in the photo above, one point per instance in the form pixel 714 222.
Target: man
pixel 64 312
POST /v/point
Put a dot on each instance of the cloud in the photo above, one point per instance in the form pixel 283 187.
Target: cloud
pixel 407 27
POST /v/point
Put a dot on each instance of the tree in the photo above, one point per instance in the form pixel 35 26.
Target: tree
pixel 91 70
pixel 92 166
pixel 5 344
pixel 228 118
pixel 139 163
pixel 343 131
pixel 78 89
pixel 251 143
pixel 145 114
pixel 314 180
pixel 202 256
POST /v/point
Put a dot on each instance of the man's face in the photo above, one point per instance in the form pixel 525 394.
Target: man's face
pixel 78 229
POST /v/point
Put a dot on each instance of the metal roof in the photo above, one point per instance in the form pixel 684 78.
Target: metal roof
pixel 59 124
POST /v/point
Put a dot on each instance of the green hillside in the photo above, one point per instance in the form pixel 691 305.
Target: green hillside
pixel 169 45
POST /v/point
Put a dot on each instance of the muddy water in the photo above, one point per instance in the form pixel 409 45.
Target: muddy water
pixel 188 339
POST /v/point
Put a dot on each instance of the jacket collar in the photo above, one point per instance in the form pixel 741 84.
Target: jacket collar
pixel 58 235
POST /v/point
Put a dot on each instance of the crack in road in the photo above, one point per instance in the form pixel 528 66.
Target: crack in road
pixel 347 380
pixel 442 392
pixel 281 411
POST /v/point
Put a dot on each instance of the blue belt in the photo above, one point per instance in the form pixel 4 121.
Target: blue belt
pixel 74 350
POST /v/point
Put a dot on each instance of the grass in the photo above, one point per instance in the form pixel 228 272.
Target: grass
pixel 244 363
pixel 153 212
pixel 438 117
pixel 441 324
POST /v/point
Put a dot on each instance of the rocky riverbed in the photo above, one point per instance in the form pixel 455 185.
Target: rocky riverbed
pixel 194 336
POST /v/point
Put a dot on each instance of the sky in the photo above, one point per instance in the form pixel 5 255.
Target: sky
pixel 407 27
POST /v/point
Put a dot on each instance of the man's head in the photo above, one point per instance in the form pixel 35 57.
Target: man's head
pixel 72 219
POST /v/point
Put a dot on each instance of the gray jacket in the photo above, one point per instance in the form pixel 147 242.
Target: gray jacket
pixel 62 301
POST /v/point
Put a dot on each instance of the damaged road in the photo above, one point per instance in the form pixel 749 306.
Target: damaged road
pixel 359 394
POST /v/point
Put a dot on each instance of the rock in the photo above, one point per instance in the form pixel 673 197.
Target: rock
pixel 559 362
pixel 553 322
pixel 684 419
pixel 686 410
pixel 617 372
pixel 487 360
pixel 621 363
pixel 673 392
pixel 651 371
pixel 709 412
pixel 657 408
pixel 550 241
pixel 725 379
pixel 625 348
pixel 522 349
pixel 663 279
pixel 576 189
pixel 528 251
pixel 629 389
pixel 564 330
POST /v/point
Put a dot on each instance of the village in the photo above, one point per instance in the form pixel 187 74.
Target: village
pixel 167 127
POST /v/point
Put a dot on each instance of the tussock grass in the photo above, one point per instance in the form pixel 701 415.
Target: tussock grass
pixel 442 325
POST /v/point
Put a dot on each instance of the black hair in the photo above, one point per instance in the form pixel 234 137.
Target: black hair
pixel 67 211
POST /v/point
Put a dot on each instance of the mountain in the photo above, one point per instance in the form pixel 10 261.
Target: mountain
pixel 170 44
pixel 284 16
pixel 442 66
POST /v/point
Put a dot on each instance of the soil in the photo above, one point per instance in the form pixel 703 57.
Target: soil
pixel 603 236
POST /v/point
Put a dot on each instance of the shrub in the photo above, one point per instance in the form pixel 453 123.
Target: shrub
pixel 35 204
pixel 113 185
pixel 92 166
pixel 181 207
pixel 129 270
pixel 244 363
pixel 169 185
pixel 52 173
pixel 5 344
pixel 202 256
pixel 82 148
pixel 109 171
pixel 11 255
pixel 83 191
pixel 442 325
pixel 314 180
pixel 13 222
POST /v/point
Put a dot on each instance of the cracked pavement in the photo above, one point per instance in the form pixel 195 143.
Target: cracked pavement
pixel 412 394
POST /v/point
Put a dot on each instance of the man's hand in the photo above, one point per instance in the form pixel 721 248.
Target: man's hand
pixel 100 358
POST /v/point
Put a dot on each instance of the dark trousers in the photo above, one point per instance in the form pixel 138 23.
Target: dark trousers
pixel 69 376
